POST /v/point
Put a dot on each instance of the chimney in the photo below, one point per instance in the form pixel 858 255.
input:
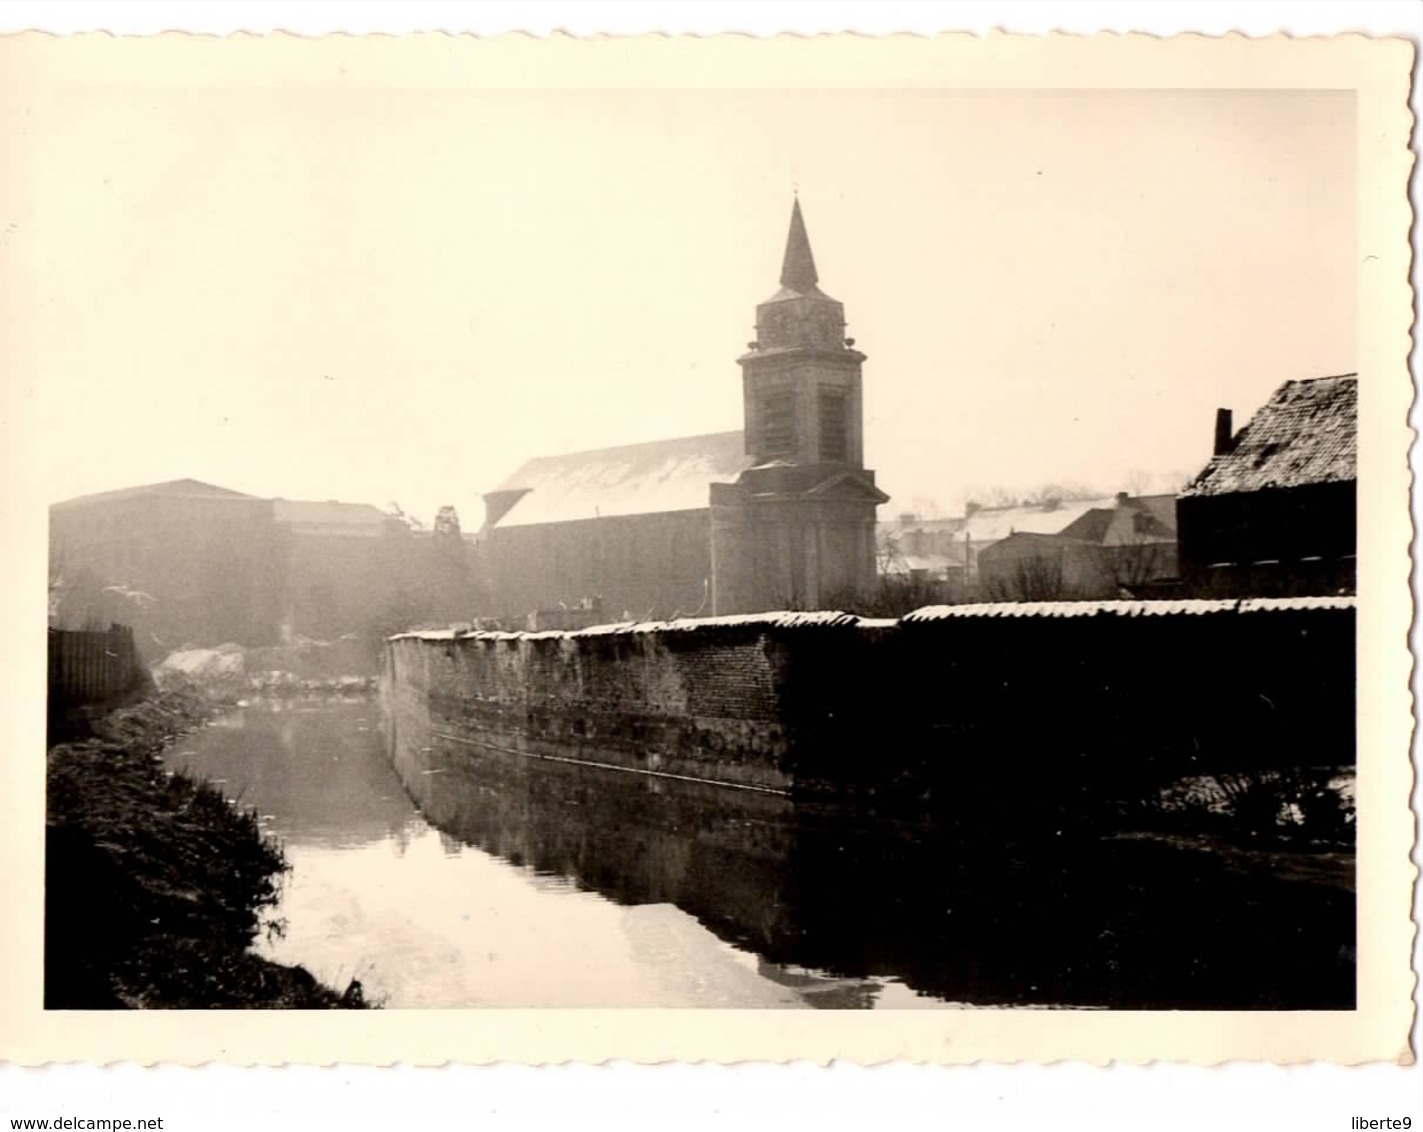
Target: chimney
pixel 1122 498
pixel 1223 432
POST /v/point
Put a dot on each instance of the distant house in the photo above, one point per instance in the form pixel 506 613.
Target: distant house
pixel 931 551
pixel 1274 512
pixel 952 550
pixel 1105 552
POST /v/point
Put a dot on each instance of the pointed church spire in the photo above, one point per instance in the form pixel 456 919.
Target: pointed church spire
pixel 798 268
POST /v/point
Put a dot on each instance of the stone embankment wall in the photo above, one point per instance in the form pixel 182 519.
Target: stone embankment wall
pixel 1077 704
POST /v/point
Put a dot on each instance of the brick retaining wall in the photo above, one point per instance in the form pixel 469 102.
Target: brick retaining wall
pixel 1078 703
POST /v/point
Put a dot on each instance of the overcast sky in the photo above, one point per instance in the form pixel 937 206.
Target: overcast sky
pixel 400 295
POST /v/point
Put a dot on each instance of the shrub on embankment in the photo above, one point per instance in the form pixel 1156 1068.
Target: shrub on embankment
pixel 155 884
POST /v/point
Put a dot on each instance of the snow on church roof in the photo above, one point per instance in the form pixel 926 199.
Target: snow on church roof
pixel 635 479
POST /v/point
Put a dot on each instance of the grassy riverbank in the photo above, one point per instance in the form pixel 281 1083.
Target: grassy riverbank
pixel 155 885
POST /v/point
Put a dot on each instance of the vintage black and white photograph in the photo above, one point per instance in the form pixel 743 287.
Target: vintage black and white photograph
pixel 542 546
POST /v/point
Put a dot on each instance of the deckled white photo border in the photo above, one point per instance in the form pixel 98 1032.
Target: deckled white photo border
pixel 1377 1031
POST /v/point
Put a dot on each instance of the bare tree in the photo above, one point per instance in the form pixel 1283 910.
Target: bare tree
pixel 1064 492
pixel 1130 566
pixel 893 595
pixel 1141 482
pixel 1138 482
pixel 889 558
pixel 1031 577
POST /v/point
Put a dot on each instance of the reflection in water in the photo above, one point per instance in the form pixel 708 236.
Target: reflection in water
pixel 969 916
pixel 424 920
pixel 532 883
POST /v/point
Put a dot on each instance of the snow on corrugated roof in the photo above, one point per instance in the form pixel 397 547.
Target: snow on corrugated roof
pixel 636 479
pixel 774 620
pixel 1121 608
pixel 431 635
pixel 1306 434
pixel 1268 604
pixel 929 613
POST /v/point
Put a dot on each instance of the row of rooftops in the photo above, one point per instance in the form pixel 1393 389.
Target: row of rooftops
pixel 1119 520
pixel 1306 434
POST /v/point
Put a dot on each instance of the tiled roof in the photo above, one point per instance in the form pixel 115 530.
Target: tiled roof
pixel 1090 527
pixel 1161 507
pixel 1138 520
pixel 1306 434
pixel 171 489
pixel 636 479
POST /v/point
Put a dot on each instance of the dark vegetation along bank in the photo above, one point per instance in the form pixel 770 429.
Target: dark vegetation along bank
pixel 156 885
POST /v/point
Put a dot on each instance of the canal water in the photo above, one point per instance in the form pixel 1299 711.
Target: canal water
pixel 426 919
pixel 523 883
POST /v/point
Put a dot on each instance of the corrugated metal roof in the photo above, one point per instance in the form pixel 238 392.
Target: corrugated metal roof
pixel 1306 434
pixel 830 619
pixel 434 635
pixel 1122 608
pixel 776 620
pixel 636 479
pixel 930 613
pixel 1267 604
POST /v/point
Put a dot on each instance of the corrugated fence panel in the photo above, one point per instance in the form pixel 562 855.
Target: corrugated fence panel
pixel 90 666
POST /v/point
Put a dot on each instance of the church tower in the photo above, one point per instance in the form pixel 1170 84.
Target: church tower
pixel 801 376
pixel 796 531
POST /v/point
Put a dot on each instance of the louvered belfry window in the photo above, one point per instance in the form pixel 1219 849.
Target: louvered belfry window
pixel 778 425
pixel 834 443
